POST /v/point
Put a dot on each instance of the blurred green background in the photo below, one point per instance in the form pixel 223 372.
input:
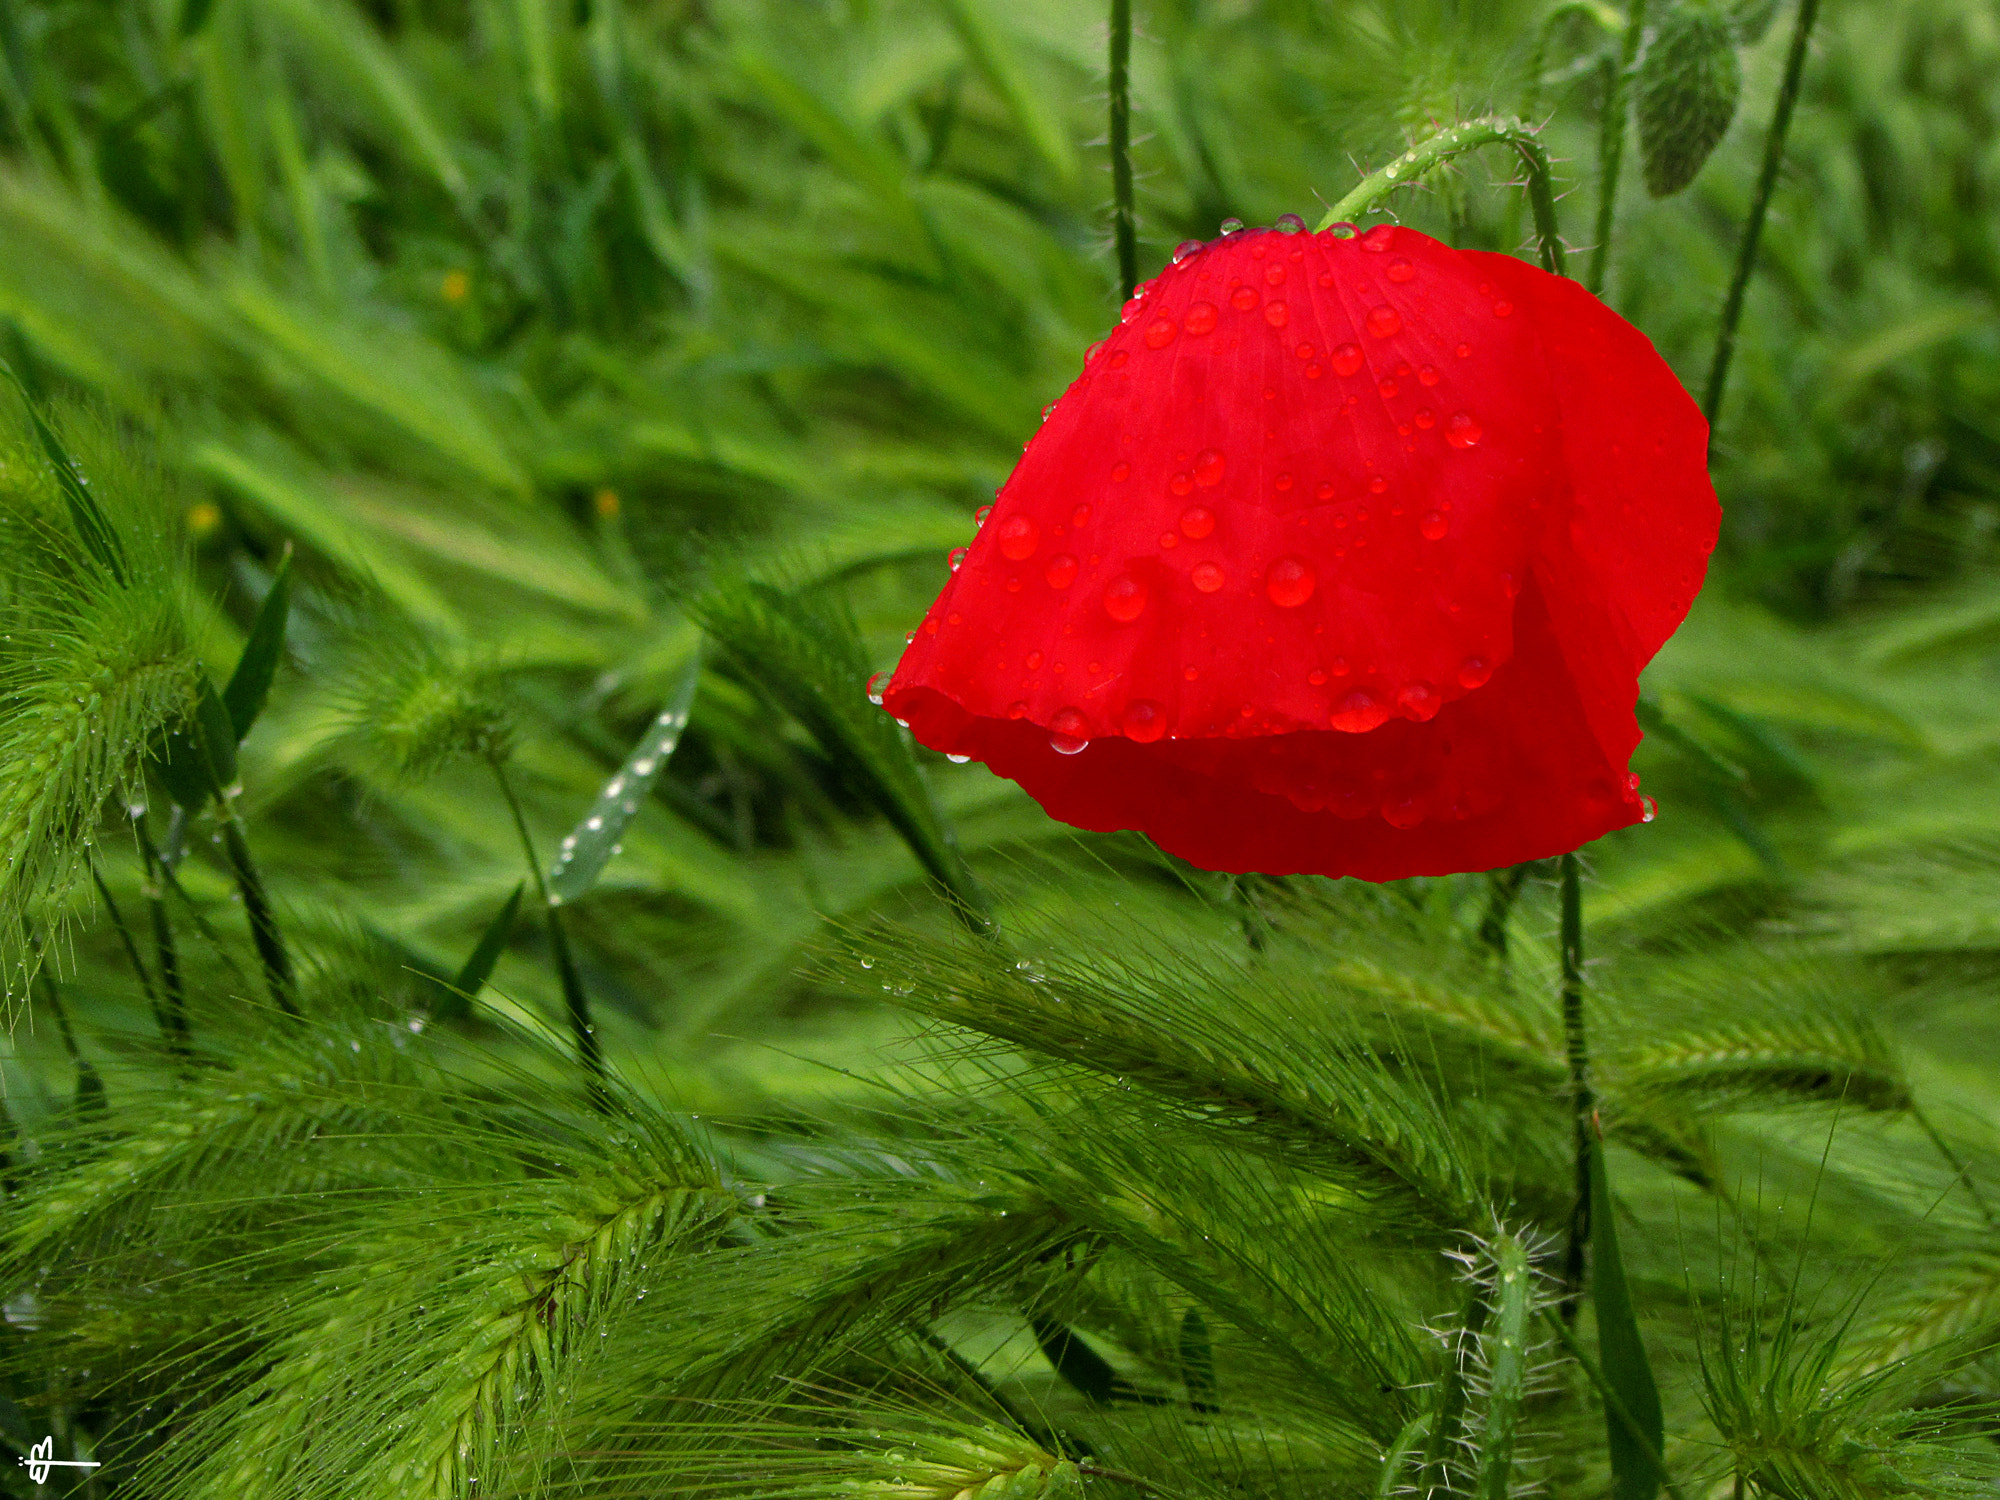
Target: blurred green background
pixel 515 315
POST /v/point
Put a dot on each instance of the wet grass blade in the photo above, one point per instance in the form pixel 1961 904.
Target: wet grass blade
pixel 1635 1471
pixel 250 683
pixel 92 525
pixel 592 842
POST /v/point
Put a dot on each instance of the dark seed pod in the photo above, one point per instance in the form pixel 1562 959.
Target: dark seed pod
pixel 1687 86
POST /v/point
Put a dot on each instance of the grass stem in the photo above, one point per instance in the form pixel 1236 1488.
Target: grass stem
pixel 264 933
pixel 1760 204
pixel 1124 222
pixel 1611 144
pixel 1583 1104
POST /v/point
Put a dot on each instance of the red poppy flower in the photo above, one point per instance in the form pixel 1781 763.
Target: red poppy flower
pixel 1342 555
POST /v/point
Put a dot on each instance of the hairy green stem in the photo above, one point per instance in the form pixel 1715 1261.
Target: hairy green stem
pixel 1753 227
pixel 174 1023
pixel 588 1049
pixel 1611 144
pixel 1492 130
pixel 264 933
pixel 1503 889
pixel 1124 224
pixel 1583 1104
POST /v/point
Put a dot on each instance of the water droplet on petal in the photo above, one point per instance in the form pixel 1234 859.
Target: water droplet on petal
pixel 958 760
pixel 1388 388
pixel 1462 431
pixel 1377 485
pixel 1358 712
pixel 1376 240
pixel 1428 375
pixel 955 557
pixel 1160 333
pixel 1400 270
pixel 1425 417
pixel 1383 321
pixel 1125 598
pixel 1432 526
pixel 1290 582
pixel 1034 661
pixel 1120 472
pixel 1018 538
pixel 1144 721
pixel 1069 731
pixel 1402 812
pixel 1316 677
pixel 1197 521
pixel 1018 709
pixel 1184 249
pixel 1282 483
pixel 1181 484
pixel 1231 226
pixel 1208 467
pixel 1290 224
pixel 1463 351
pixel 1503 309
pixel 1420 701
pixel 1510 585
pixel 1275 276
pixel 1474 672
pixel 875 686
pixel 979 516
pixel 1277 314
pixel 1206 577
pixel 1079 516
pixel 1347 359
pixel 1061 571
pixel 1243 298
pixel 1201 318
pixel 1650 809
pixel 1117 359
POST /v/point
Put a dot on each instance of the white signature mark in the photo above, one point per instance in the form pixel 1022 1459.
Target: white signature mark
pixel 39 1463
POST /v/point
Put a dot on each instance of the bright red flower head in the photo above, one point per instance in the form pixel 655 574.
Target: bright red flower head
pixel 1342 555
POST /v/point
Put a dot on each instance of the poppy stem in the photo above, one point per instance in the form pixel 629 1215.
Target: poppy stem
pixel 1124 224
pixel 1611 143
pixel 1583 1104
pixel 1753 227
pixel 1492 130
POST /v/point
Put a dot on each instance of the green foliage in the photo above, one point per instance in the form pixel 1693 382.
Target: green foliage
pixel 461 338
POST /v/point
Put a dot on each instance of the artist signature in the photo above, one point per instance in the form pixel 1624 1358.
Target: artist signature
pixel 39 1463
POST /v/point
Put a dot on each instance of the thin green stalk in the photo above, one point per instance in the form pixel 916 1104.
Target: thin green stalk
pixel 1611 143
pixel 1583 1104
pixel 1503 889
pixel 139 969
pixel 1753 227
pixel 1613 1402
pixel 1448 1419
pixel 575 1001
pixel 1124 224
pixel 89 1086
pixel 1956 1163
pixel 270 942
pixel 1493 130
pixel 174 1020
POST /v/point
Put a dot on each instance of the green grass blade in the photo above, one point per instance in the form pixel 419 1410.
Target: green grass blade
pixel 479 965
pixel 994 54
pixel 1635 1472
pixel 590 845
pixel 250 684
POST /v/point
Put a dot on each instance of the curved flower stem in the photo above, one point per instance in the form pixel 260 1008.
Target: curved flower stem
pixel 1124 224
pixel 1583 1104
pixel 1611 144
pixel 575 1000
pixel 1753 227
pixel 1492 130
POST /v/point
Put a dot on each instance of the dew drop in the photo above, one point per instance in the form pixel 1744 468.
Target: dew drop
pixel 1201 318
pixel 1402 812
pixel 875 686
pixel 1061 571
pixel 1510 585
pixel 1034 661
pixel 1018 709
pixel 1181 484
pixel 1117 359
pixel 1160 333
pixel 1427 375
pixel 1168 541
pixel 1377 485
pixel 1018 538
pixel 1474 672
pixel 1316 677
pixel 1462 431
pixel 1282 483
pixel 1197 521
pixel 1290 582
pixel 979 516
pixel 1358 712
pixel 1425 417
pixel 1208 467
pixel 1304 351
pixel 1312 372
pixel 1388 388
pixel 955 557
pixel 1650 809
pixel 1420 701
pixel 1069 731
pixel 1503 309
pixel 1290 224
pixel 1347 359
pixel 1120 472
pixel 1432 526
pixel 1383 321
pixel 1276 313
pixel 1376 240
pixel 958 760
pixel 1207 577
pixel 1144 721
pixel 1184 249
pixel 1324 490
pixel 1232 226
pixel 1243 298
pixel 1125 598
pixel 1400 270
